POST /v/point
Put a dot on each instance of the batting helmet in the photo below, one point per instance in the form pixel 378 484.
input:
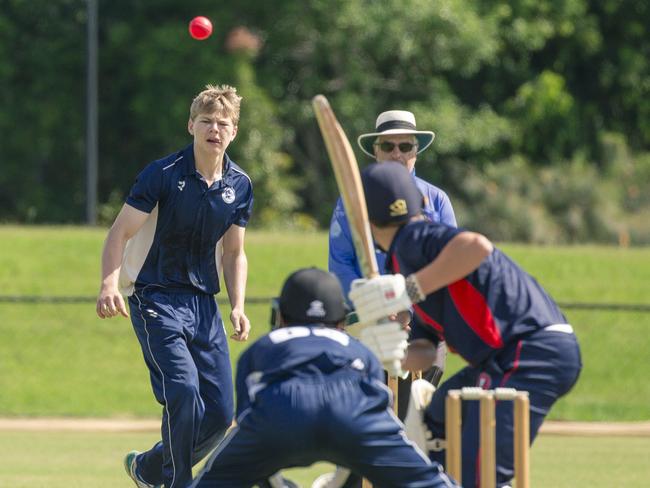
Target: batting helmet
pixel 391 194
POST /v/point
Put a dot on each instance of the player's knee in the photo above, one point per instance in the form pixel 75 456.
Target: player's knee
pixel 216 420
pixel 182 395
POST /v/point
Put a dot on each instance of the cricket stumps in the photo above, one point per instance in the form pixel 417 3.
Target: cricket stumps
pixel 487 439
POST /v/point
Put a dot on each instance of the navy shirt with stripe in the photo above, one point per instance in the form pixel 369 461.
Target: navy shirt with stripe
pixel 495 305
pixel 191 220
pixel 306 353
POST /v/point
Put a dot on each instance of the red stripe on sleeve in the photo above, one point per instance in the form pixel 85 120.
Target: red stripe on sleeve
pixel 475 312
pixel 427 319
pixel 393 258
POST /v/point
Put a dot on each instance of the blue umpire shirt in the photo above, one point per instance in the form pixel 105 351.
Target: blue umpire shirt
pixel 343 260
pixel 191 219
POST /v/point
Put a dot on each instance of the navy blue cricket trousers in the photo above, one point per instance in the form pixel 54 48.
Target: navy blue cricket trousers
pixel 546 364
pixel 186 350
pixel 344 420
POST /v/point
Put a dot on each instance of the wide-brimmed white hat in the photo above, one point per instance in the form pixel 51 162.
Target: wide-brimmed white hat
pixel 395 122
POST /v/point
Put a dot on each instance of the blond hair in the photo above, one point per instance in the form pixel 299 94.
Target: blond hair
pixel 220 99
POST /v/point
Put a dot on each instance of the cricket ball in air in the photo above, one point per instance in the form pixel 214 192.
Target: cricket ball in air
pixel 200 28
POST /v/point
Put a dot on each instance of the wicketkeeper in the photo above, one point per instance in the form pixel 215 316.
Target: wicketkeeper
pixel 309 392
pixel 484 306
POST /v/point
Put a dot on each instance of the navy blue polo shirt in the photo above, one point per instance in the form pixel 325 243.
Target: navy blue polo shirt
pixel 480 314
pixel 190 218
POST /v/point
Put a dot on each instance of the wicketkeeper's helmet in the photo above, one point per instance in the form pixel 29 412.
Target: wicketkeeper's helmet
pixel 311 296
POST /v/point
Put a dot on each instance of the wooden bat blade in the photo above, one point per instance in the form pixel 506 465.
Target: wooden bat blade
pixel 348 180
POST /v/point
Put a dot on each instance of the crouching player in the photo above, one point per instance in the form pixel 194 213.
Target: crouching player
pixel 308 392
pixel 471 295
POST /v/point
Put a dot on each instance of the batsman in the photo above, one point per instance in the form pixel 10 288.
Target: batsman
pixel 395 138
pixel 486 308
pixel 352 253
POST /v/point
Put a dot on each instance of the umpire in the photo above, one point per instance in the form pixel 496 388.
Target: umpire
pixel 309 392
pixel 395 138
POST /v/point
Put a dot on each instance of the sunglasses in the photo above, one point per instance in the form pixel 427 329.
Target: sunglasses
pixel 387 147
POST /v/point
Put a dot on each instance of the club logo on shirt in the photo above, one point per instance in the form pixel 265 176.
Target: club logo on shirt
pixel 398 207
pixel 316 309
pixel 228 194
pixel 181 184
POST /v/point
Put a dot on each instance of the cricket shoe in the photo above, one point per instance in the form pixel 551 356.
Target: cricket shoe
pixel 334 479
pixel 277 481
pixel 414 426
pixel 131 465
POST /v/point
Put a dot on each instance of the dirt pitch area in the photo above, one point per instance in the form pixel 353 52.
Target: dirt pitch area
pixel 637 429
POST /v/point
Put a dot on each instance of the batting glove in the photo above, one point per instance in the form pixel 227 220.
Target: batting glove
pixel 379 297
pixel 387 341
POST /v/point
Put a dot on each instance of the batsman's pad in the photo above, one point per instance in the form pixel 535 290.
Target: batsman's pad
pixel 414 427
pixel 335 479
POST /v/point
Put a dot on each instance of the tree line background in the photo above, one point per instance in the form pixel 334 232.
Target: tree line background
pixel 541 107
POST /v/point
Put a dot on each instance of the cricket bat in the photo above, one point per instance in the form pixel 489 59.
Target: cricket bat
pixel 348 180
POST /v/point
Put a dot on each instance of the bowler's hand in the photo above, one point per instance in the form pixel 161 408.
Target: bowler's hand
pixel 110 303
pixel 379 297
pixel 240 324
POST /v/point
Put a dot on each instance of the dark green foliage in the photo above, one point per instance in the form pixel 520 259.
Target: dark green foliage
pixel 547 98
pixel 513 201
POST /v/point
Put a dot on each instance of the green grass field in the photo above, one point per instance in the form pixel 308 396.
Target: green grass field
pixel 71 363
pixel 61 360
pixel 79 460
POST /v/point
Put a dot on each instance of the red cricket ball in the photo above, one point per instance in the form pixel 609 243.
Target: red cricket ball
pixel 200 28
